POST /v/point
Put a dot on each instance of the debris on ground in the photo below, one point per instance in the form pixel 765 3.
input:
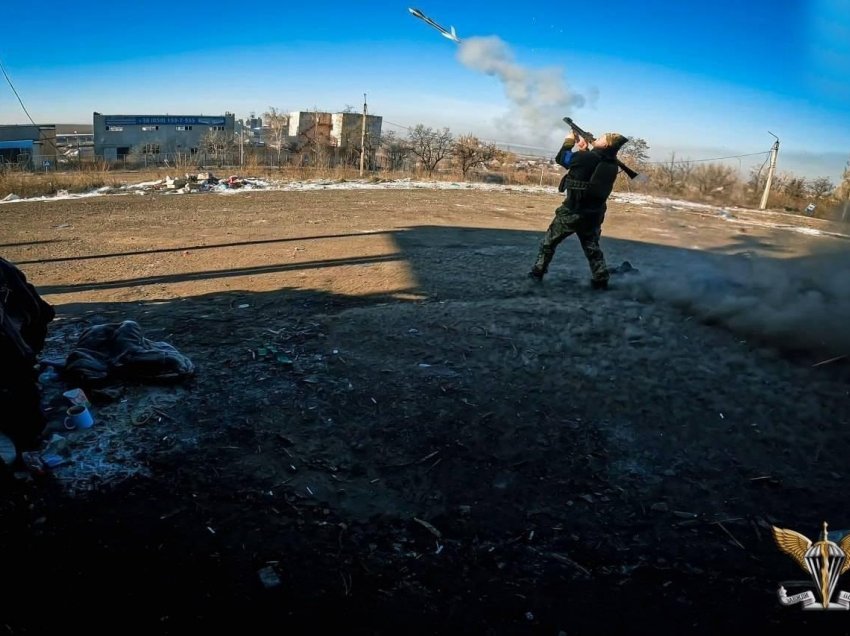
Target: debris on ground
pixel 268 577
pixel 119 351
pixel 77 397
pixel 624 268
pixel 8 452
pixel 554 435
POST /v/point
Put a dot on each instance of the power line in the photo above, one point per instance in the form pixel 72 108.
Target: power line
pixel 505 143
pixel 386 121
pixel 24 108
pixel 14 90
pixel 491 141
pixel 752 154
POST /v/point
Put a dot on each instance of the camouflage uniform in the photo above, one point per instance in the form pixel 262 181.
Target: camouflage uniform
pixel 588 183
pixel 588 229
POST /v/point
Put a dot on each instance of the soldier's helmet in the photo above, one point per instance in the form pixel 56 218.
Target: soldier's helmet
pixel 615 141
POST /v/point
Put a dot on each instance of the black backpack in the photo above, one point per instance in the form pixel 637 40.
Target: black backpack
pixel 602 180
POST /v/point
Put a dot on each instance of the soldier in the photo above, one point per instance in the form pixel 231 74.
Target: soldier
pixel 588 183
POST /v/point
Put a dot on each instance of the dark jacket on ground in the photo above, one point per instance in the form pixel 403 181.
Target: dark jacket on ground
pixel 589 180
pixel 24 317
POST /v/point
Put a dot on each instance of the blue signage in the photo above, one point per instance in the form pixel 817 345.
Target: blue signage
pixel 165 120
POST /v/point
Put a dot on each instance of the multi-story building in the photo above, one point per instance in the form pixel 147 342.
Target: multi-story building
pixel 310 127
pixel 340 130
pixel 347 129
pixel 116 136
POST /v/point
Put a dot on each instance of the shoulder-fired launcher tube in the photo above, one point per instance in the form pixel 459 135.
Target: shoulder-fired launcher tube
pixel 589 138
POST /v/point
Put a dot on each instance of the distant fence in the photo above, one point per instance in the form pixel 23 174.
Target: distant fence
pixel 250 157
pixel 327 160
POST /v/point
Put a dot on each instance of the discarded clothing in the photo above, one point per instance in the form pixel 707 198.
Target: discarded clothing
pixel 121 352
pixel 24 317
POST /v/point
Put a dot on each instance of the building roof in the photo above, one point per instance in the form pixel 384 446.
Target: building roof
pixel 70 129
pixel 16 145
pixel 6 126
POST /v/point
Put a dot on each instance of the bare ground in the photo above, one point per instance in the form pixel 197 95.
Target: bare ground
pixel 419 440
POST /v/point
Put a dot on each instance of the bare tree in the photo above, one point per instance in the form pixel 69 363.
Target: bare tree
pixel 636 152
pixel 821 187
pixel 430 146
pixel 317 137
pixel 757 180
pixel 469 152
pixel 351 142
pixel 793 187
pixel 277 124
pixel 843 190
pixel 713 177
pixel 218 144
pixel 672 175
pixel 395 149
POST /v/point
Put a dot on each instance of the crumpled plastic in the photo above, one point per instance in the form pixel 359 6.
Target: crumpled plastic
pixel 119 351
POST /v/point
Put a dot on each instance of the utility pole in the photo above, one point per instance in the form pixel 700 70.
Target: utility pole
pixel 241 144
pixel 774 153
pixel 363 139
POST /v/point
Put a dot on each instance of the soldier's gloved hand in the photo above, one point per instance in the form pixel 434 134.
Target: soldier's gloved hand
pixel 570 141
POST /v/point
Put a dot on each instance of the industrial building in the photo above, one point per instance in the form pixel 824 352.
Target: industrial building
pixel 71 134
pixel 28 146
pixel 74 141
pixel 116 136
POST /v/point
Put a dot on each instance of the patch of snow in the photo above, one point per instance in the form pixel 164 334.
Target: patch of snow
pixel 807 230
pixel 650 200
pixel 740 216
pixel 64 195
pixel 144 185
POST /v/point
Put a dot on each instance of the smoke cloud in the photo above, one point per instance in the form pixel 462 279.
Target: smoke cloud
pixel 540 98
pixel 792 304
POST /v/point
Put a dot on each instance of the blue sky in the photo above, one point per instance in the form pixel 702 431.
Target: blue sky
pixel 703 79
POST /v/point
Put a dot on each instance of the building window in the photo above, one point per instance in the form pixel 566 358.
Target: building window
pixel 193 151
pixel 184 128
pixel 149 128
pixel 114 129
pixel 150 149
pixel 216 127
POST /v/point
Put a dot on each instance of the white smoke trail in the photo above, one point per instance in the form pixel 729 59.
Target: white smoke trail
pixel 794 304
pixel 540 97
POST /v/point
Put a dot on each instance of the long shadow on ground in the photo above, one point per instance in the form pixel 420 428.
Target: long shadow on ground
pixel 499 457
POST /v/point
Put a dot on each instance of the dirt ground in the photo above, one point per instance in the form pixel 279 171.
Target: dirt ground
pixel 415 438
